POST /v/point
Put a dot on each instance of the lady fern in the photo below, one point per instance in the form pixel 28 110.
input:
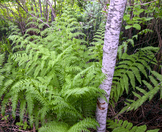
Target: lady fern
pixel 48 75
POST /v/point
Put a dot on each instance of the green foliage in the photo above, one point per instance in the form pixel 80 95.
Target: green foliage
pixel 23 126
pixel 125 126
pixel 48 75
pixel 97 44
pixel 129 69
pixel 92 17
pixel 153 89
pixel 4 28
pixel 63 127
pixel 132 15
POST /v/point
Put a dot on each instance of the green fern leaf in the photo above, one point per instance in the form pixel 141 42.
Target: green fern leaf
pixel 149 86
pixel 153 80
pixel 136 73
pixel 132 78
pixel 125 126
pixel 141 68
pixel 14 104
pixel 141 90
pixel 22 109
pixel 83 125
pixel 137 95
pixel 54 126
pixel 126 83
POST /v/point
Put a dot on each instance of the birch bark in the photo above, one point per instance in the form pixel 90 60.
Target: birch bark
pixel 111 41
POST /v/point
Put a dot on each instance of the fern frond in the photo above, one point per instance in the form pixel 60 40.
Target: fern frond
pixel 125 126
pixel 55 126
pixel 83 125
pixel 14 104
pixel 22 109
pixel 134 104
pixel 129 68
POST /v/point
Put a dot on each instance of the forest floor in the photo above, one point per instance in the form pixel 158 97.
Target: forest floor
pixel 149 114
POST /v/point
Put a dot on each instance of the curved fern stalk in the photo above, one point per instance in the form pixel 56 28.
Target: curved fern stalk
pixel 125 126
pixel 153 89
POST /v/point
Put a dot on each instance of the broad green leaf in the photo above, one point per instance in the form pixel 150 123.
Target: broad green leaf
pixel 128 27
pixel 148 18
pixel 136 18
pixel 126 17
pixel 137 26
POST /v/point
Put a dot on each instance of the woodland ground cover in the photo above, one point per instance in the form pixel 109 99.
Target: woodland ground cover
pixel 50 66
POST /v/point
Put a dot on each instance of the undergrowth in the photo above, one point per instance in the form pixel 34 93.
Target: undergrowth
pixel 48 76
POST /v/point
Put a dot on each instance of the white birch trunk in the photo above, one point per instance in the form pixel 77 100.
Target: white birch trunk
pixel 111 41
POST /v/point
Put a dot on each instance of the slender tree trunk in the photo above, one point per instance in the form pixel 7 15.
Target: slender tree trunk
pixel 40 6
pixel 111 41
pixel 35 6
pixel 52 11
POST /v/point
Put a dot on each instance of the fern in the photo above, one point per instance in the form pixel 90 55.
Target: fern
pixel 129 69
pixel 129 73
pixel 97 44
pixel 48 75
pixel 63 127
pixel 156 87
pixel 125 126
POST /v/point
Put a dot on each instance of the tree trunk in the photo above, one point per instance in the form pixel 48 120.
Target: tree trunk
pixel 111 41
pixel 40 6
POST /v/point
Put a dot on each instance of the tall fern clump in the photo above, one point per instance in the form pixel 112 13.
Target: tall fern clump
pixel 49 77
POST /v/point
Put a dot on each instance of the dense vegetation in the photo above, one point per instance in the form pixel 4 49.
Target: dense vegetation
pixel 51 59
